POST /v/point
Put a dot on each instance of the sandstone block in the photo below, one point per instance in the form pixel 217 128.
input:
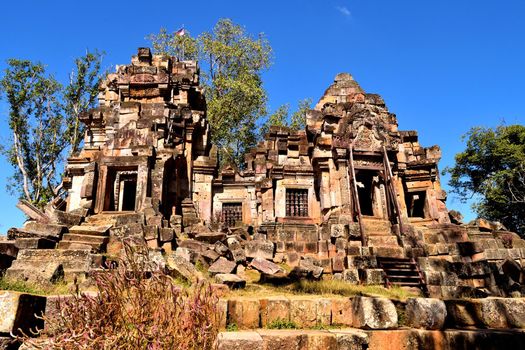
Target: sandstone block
pixel 151 232
pixel 501 312
pixel 279 339
pixel 179 267
pixel 274 309
pixel 231 280
pixel 18 310
pixel 259 249
pixel 220 248
pixel 338 231
pixel 426 313
pixel 350 339
pixel 306 269
pixel 222 266
pixel 265 266
pixel 320 340
pixel 244 312
pixel 239 340
pixel 324 311
pixel 338 264
pixel 209 236
pixel 351 276
pixel 166 234
pixel 373 313
pixel 49 230
pixel 373 276
pixel 307 236
pixel 303 312
pixel 341 311
pixel 222 309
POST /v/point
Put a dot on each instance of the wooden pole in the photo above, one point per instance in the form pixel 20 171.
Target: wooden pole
pixel 393 189
pixel 356 198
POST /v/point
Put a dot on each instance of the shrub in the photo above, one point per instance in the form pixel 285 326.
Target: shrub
pixel 281 324
pixel 138 306
pixel 232 327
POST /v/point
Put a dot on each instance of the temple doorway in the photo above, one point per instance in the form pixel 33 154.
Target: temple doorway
pixel 365 192
pixel 121 189
pixel 176 186
pixel 416 204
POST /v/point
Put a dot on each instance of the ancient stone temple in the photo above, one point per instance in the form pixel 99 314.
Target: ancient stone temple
pixel 350 197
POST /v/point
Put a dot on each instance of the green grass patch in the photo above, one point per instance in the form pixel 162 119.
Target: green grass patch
pixel 32 288
pixel 232 327
pixel 281 324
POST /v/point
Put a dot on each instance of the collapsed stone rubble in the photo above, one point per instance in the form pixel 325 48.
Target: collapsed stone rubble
pixel 349 197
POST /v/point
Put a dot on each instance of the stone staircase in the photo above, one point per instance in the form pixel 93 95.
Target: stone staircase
pixel 381 238
pixel 48 265
pixel 93 233
pixel 402 272
pixel 36 235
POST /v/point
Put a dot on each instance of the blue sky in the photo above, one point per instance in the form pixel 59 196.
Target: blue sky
pixel 441 66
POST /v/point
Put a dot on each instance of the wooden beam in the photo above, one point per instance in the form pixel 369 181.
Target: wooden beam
pixel 356 198
pixel 393 189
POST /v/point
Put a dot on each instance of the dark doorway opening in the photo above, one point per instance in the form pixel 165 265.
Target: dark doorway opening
pixel 175 187
pixel 415 202
pixel 121 189
pixel 129 192
pixel 365 191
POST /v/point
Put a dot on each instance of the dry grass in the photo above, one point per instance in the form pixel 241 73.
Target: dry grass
pixel 324 288
pixel 337 287
pixel 137 307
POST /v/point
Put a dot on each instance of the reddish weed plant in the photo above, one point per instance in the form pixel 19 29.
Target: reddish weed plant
pixel 136 307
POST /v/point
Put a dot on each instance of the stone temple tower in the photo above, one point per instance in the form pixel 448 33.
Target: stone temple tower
pixel 350 195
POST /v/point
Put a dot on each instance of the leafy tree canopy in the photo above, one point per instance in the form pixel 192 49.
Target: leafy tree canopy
pixel 43 120
pixel 281 117
pixel 493 166
pixel 232 62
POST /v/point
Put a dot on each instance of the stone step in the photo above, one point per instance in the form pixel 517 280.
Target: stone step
pixel 71 258
pixel 85 238
pixel 383 241
pixel 404 277
pixel 68 245
pixel 376 225
pixel 406 284
pixel 388 251
pixel 52 230
pixel 90 230
pixel 421 222
pixel 115 218
pixel 35 243
pixel 378 233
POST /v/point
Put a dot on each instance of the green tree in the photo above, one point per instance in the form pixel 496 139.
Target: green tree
pixel 298 119
pixel 232 64
pixel 281 117
pixel 43 120
pixel 493 167
pixel 36 123
pixel 80 95
pixel 277 118
pixel 184 46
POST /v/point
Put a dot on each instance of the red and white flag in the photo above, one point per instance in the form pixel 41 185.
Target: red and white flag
pixel 180 32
